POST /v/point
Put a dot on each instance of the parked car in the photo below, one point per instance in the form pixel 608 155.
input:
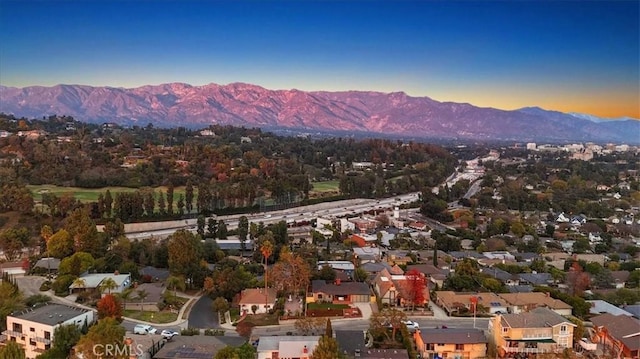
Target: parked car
pixel 411 325
pixel 168 334
pixel 144 329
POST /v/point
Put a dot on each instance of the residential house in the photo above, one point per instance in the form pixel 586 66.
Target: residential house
pixel 620 278
pixel 578 220
pixel 339 292
pixel 384 354
pixel 398 257
pixel 503 255
pixel 634 309
pixel 196 347
pixel 590 258
pixel 156 274
pixel 524 302
pixel 375 268
pixel 451 343
pixel 93 281
pixel 603 307
pixel 14 269
pixel 538 331
pixel 562 218
pixel 535 278
pixel 364 240
pixel 351 343
pixel 290 347
pixel 620 334
pixel 339 266
pixel 367 254
pixel 433 274
pixel 49 264
pixel 234 243
pixel 34 328
pixel 501 275
pixel 394 289
pixel 364 225
pixel 459 303
pixel 255 298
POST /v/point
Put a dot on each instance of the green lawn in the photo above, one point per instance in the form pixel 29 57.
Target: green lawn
pixel 326 186
pixel 261 319
pixel 317 305
pixel 151 317
pixel 91 194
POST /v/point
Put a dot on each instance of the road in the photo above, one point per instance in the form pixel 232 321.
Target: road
pixel 481 323
pixel 202 315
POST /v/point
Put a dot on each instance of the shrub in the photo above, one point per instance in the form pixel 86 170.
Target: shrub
pixel 214 332
pixel 190 331
pixel 45 286
pixel 37 299
pixel 61 285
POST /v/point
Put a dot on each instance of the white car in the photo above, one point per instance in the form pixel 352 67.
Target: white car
pixel 411 325
pixel 144 329
pixel 168 334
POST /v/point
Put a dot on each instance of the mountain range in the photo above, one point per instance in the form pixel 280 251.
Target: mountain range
pixel 366 112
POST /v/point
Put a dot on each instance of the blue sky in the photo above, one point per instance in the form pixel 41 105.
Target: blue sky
pixel 564 55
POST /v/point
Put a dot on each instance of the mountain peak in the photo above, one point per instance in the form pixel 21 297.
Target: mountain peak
pixel 243 104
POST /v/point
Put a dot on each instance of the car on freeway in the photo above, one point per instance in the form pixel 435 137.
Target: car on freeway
pixel 168 334
pixel 144 329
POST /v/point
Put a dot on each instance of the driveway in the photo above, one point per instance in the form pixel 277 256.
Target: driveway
pixel 438 313
pixel 30 285
pixel 202 315
pixel 365 309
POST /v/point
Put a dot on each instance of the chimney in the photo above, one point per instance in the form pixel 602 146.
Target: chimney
pixel 337 281
pixel 305 350
pixel 116 272
pixel 547 294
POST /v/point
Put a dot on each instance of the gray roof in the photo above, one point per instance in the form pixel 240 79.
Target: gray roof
pixel 375 267
pixel 527 255
pixel 520 288
pixel 499 274
pixel 350 340
pixel 48 263
pixel 601 306
pixel 622 327
pixel 196 347
pixel 344 288
pixel 541 317
pixel 633 309
pixel 453 336
pixel 154 272
pixel 465 254
pixel 536 278
pixel 50 314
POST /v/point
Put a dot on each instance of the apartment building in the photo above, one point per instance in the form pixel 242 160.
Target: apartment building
pixel 34 328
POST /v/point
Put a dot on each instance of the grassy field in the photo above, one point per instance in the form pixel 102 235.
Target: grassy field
pixel 326 186
pixel 152 317
pixel 91 194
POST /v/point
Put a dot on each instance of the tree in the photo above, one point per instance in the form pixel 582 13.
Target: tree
pixel 327 348
pixel 212 227
pixel 208 285
pixel 108 203
pixel 417 286
pixel 12 241
pixel 388 318
pixel 110 306
pixel 309 325
pixel 108 284
pixel 12 350
pixel 200 226
pixel 76 264
pixel 83 232
pixel 125 296
pixel 60 245
pixel 327 273
pixel 174 283
pixel 222 230
pixel 106 331
pixel 184 254
pixel 65 337
pixel 142 295
pixel 266 248
pixel 220 305
pixel 243 231
pixel 245 351
pixel 577 279
pixel 188 196
pixel 291 273
pixel 170 198
pixel 360 275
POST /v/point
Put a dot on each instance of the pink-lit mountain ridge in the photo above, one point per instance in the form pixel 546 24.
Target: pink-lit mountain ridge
pixel 178 104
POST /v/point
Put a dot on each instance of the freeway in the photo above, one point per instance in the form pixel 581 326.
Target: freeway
pixel 351 207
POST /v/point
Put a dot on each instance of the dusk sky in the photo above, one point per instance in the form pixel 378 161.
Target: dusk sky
pixel 569 56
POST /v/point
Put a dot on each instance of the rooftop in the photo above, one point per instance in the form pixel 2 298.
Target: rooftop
pixel 453 336
pixel 344 288
pixel 276 343
pixel 622 327
pixel 537 318
pixel 196 347
pixel 50 314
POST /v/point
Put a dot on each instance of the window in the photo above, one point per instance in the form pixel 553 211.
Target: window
pixel 563 329
pixel 32 341
pixel 17 327
pixel 47 347
pixel 505 329
pixel 440 344
pixel 319 296
pixel 459 346
pixel 47 335
pixel 429 346
pixel 32 329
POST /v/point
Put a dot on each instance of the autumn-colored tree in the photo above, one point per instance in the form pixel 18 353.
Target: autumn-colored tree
pixel 577 279
pixel 309 325
pixel 291 273
pixel 184 254
pixel 416 287
pixel 83 232
pixel 60 245
pixel 110 307
pixel 208 284
pixel 327 348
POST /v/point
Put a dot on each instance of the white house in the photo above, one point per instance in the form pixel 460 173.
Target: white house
pixel 562 218
pixel 287 347
pixel 33 328
pixel 95 280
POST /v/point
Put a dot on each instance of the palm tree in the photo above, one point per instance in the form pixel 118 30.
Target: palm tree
pixel 80 283
pixel 125 296
pixel 142 295
pixel 266 249
pixel 108 284
pixel 175 283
